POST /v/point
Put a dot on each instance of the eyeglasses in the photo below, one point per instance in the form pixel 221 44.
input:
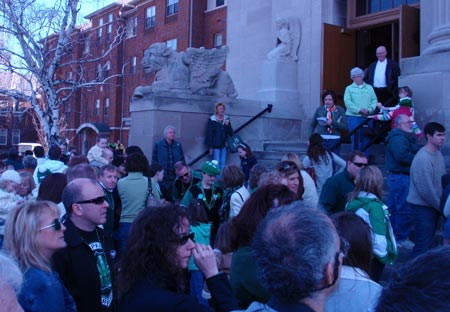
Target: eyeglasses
pixel 97 201
pixel 184 175
pixel 56 225
pixel 183 239
pixel 359 165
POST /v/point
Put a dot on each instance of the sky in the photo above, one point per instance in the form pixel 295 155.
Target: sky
pixel 89 6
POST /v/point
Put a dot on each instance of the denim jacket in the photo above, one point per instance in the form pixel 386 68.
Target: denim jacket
pixel 44 291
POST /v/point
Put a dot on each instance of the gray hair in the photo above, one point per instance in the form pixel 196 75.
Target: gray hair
pixel 292 247
pixel 166 129
pixel 356 71
pixel 10 273
pixel 29 162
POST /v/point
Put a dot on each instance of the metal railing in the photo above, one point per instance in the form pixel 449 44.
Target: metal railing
pixel 268 109
pixel 382 133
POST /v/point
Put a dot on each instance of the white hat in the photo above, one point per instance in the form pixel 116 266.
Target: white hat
pixel 11 175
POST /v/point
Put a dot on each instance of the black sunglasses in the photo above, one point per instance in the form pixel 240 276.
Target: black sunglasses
pixel 56 225
pixel 184 238
pixel 97 201
pixel 359 165
pixel 184 175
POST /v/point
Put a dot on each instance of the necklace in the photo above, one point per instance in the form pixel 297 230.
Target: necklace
pixel 213 199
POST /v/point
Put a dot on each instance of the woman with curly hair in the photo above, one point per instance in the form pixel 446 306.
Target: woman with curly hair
pixel 151 274
pixel 33 234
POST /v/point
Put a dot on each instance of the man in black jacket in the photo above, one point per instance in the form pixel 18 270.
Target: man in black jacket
pixel 167 152
pixel 382 75
pixel 85 264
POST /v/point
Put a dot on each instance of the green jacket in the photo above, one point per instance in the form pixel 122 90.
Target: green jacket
pixel 376 214
pixel 357 98
pixel 333 196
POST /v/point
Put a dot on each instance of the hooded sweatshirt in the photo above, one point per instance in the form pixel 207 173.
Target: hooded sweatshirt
pixel 47 168
pixel 376 215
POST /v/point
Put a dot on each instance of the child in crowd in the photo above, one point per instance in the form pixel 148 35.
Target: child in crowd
pixel 247 159
pixel 9 182
pixel 95 152
pixel 365 202
pixel 404 107
pixel 202 235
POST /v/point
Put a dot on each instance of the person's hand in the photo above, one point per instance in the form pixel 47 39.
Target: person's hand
pixel 210 151
pixel 364 111
pixel 379 105
pixel 226 122
pixel 205 259
pixel 329 122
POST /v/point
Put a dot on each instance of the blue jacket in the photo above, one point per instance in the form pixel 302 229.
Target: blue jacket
pixel 161 152
pixel 217 133
pixel 44 291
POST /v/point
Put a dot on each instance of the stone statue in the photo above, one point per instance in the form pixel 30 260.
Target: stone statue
pixel 196 71
pixel 288 40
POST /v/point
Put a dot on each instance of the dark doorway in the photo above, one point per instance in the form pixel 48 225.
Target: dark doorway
pixel 367 41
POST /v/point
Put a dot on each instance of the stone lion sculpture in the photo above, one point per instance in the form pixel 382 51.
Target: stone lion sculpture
pixel 196 71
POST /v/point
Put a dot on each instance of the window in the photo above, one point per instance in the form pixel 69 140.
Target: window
pixel 106 108
pixel 133 65
pixel 109 27
pixel 172 43
pixel 98 72
pixel 150 17
pixel 172 7
pixel 220 2
pixel 218 40
pixel 107 69
pixel 97 107
pixel 15 136
pixel 132 27
pixel 374 6
pixel 100 29
pixel 3 136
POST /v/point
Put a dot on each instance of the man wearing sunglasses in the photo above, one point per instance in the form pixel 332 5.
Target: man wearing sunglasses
pixel 85 265
pixel 298 255
pixel 333 196
pixel 186 177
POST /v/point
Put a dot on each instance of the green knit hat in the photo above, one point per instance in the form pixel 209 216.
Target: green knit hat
pixel 211 168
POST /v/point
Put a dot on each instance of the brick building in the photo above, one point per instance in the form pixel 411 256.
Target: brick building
pixel 103 108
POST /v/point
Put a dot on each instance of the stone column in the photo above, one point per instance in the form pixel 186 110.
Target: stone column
pixel 439 38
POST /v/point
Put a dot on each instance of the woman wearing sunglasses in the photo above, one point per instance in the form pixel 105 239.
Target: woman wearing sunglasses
pixel 152 271
pixel 33 234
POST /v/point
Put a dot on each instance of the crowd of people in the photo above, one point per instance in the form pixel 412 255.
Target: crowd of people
pixel 116 231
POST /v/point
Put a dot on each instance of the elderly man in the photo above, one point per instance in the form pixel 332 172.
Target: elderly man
pixel 333 196
pixel 425 187
pixel 184 180
pixel 383 76
pixel 167 152
pixel 298 255
pixel 400 150
pixel 85 265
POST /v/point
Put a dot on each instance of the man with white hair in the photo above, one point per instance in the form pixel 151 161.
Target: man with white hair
pixel 167 152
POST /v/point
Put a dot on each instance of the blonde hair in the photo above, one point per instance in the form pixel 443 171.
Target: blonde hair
pixel 25 175
pixel 294 158
pixel 21 229
pixel 369 179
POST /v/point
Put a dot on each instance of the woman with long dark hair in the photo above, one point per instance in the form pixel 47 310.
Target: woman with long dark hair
pixel 151 276
pixel 320 161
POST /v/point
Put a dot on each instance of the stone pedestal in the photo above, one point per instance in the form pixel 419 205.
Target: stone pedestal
pixel 279 83
pixel 439 37
pixel 189 115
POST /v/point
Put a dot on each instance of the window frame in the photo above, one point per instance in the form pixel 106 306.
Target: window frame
pixel 3 136
pixel 150 20
pixel 171 7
